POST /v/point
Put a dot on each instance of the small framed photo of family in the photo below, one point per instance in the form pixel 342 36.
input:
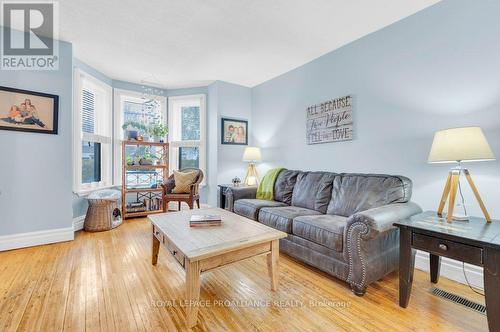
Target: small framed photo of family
pixel 234 132
pixel 29 111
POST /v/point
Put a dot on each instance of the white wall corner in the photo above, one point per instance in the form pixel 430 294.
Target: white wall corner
pixel 78 223
pixel 452 269
pixel 23 240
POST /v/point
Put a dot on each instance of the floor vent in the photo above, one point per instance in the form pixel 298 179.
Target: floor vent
pixel 459 300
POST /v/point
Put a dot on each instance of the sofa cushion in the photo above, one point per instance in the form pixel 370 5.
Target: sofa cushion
pixel 326 230
pixel 250 207
pixel 313 190
pixel 283 187
pixel 354 193
pixel 281 218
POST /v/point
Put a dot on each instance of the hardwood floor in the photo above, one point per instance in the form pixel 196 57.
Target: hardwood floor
pixel 105 282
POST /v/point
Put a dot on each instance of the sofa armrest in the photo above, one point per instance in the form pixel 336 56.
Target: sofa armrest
pixel 372 243
pixel 381 219
pixel 235 193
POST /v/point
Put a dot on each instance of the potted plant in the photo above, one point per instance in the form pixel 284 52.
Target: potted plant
pixel 159 132
pixel 130 161
pixel 146 159
pixel 133 130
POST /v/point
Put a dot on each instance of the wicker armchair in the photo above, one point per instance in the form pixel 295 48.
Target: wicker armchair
pixel 190 198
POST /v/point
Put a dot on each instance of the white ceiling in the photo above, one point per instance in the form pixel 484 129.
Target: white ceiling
pixel 180 43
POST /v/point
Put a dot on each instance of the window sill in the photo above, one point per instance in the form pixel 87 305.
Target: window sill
pixel 85 192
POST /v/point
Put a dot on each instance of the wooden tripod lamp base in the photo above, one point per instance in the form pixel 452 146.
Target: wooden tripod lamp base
pixel 252 155
pixel 459 145
pixel 450 191
pixel 252 177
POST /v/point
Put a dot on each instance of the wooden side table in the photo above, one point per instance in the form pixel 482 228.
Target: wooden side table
pixel 475 242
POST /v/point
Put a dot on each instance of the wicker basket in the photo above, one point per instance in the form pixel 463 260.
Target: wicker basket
pixel 104 211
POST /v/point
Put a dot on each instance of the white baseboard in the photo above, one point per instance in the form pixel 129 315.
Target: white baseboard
pixel 452 269
pixel 78 223
pixel 23 240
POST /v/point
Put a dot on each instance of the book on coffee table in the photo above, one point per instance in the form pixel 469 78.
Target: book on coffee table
pixel 197 220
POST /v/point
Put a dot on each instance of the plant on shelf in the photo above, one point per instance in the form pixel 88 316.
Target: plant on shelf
pixel 134 130
pixel 130 161
pixel 148 159
pixel 158 131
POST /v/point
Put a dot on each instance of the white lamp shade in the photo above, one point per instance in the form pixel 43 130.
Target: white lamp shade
pixel 252 154
pixel 460 144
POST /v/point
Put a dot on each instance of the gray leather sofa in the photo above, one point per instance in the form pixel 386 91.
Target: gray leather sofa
pixel 338 223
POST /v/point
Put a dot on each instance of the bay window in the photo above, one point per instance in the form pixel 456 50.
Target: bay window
pixel 98 132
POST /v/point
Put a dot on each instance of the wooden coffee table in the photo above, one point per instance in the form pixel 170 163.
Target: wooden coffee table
pixel 201 249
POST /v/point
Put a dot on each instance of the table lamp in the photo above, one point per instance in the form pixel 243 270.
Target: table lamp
pixel 252 155
pixel 458 145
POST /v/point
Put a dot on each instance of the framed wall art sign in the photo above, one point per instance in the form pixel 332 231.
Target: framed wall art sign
pixel 330 121
pixel 28 111
pixel 234 132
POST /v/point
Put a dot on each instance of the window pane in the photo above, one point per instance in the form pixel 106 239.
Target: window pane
pixel 189 157
pixel 190 123
pixel 88 111
pixel 147 113
pixel 91 162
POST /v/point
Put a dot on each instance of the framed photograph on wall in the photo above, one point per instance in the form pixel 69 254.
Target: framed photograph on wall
pixel 234 132
pixel 29 111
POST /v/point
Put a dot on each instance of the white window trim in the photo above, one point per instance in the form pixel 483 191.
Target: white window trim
pixel 202 143
pixel 78 136
pixel 118 95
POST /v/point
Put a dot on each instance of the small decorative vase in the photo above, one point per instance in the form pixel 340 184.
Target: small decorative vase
pixel 236 181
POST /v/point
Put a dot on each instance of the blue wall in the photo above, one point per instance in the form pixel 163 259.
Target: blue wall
pixel 224 161
pixel 235 102
pixel 35 169
pixel 437 69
